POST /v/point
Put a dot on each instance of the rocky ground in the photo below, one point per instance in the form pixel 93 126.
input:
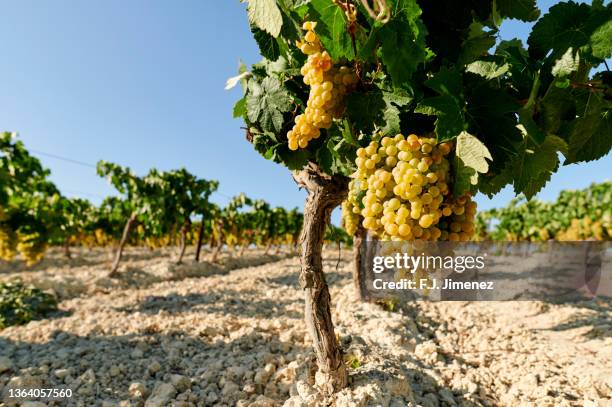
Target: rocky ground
pixel 238 339
pixel 85 271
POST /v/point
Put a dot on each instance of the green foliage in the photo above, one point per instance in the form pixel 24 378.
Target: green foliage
pixel 19 304
pixel 536 220
pixel 433 68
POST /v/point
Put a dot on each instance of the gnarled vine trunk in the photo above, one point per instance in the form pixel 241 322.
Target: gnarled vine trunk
pixel 199 244
pixel 184 231
pixel 124 238
pixel 324 194
pixel 67 248
pixel 219 242
pixel 359 281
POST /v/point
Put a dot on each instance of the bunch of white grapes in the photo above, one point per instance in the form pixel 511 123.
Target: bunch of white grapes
pixel 8 242
pixel 328 85
pixel 32 247
pixel 350 211
pixel 403 183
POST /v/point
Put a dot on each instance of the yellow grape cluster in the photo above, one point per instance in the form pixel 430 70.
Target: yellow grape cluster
pixel 350 212
pixel 8 242
pixel 585 229
pixel 328 85
pixel 32 248
pixel 407 194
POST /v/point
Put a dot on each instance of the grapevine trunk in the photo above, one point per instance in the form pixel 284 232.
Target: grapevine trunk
pixel 359 246
pixel 124 238
pixel 324 194
pixel 184 231
pixel 200 237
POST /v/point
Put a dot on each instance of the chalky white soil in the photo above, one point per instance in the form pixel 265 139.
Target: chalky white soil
pixel 238 338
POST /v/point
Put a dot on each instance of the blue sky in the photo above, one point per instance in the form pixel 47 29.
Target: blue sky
pixel 140 83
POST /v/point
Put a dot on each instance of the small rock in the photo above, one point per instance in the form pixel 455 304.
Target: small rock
pixel 447 396
pixel 25 381
pixel 137 390
pixel 230 388
pixel 160 396
pixel 33 404
pixel 114 371
pixel 181 383
pixel 154 367
pixel 263 401
pixel 88 377
pixel 61 373
pixel 137 354
pixel 249 388
pixel 5 364
pixel 263 375
pixel 304 389
pixel 211 398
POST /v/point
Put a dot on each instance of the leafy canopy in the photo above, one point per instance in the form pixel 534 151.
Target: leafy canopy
pixel 515 113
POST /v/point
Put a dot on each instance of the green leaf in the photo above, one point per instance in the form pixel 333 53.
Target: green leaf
pixel 601 41
pixel 524 10
pixel 391 116
pixel 266 103
pixel 567 64
pixel 239 108
pixel 268 45
pixel 331 28
pixel 402 42
pixel 477 44
pixel 572 25
pixel 448 107
pixel 470 159
pixel 534 165
pixel 488 69
pixel 493 183
pixel 266 15
pixel 591 134
pixel 377 109
pixel 521 69
pixel 491 114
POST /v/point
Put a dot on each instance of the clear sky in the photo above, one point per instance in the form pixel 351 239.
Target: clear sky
pixel 140 83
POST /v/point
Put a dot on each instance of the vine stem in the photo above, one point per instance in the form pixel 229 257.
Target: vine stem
pixel 325 192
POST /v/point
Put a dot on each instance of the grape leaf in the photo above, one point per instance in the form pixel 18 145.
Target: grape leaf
pixel 391 116
pixel 266 103
pixel 567 64
pixel 492 184
pixel 448 107
pixel 572 25
pixel 591 135
pixel 470 159
pixel 265 15
pixel 377 109
pixel 365 110
pixel 402 42
pixel 268 46
pixel 239 108
pixel 477 43
pixel 331 28
pixel 534 165
pixel 487 69
pixel 491 115
pixel 521 69
pixel 524 10
pixel 601 41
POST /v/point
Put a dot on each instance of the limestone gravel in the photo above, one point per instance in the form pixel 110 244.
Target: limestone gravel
pixel 238 339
